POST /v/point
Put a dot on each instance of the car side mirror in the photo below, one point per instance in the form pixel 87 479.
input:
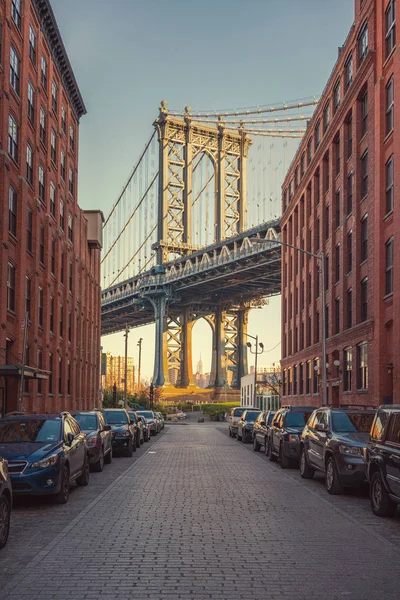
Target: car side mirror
pixel 107 428
pixel 321 427
pixel 70 438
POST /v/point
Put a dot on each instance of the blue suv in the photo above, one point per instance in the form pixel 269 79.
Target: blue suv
pixel 45 454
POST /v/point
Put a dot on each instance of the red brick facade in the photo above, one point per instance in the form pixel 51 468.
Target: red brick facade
pixel 48 266
pixel 338 198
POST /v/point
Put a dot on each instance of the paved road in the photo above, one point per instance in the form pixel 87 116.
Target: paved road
pixel 200 516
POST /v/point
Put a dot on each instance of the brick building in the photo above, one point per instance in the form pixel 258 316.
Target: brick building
pixel 115 373
pixel 338 198
pixel 49 247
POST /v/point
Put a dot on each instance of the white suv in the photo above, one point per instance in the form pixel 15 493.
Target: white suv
pixel 233 419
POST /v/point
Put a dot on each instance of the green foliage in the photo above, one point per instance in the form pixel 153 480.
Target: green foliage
pixel 216 412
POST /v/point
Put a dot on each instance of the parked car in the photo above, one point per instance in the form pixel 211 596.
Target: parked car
pixel 246 424
pixel 139 435
pixel 5 502
pixel 383 461
pixel 146 428
pixel 334 442
pixel 124 430
pixel 285 432
pixel 45 454
pixel 151 420
pixel 162 420
pixel 98 437
pixel 261 429
pixel 233 419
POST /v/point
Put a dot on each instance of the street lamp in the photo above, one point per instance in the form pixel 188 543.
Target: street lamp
pixel 126 367
pixel 256 353
pixel 140 360
pixel 321 258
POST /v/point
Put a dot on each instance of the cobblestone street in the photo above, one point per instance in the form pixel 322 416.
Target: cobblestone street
pixel 199 515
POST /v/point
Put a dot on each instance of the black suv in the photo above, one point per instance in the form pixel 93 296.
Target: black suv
pixel 246 424
pixel 334 442
pixel 285 432
pixel 261 429
pixel 45 453
pixel 124 430
pixel 98 437
pixel 383 461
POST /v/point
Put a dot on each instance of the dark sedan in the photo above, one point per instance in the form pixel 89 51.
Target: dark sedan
pixel 260 430
pixel 139 433
pixel 334 442
pixel 124 430
pixel 98 437
pixel 246 424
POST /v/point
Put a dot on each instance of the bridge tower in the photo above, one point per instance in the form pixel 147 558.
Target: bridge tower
pixel 183 142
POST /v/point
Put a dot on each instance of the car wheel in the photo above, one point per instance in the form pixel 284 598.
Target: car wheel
pixel 381 504
pixel 108 457
pixel 256 445
pixel 238 437
pixel 83 479
pixel 332 481
pixel 63 494
pixel 230 432
pixel 266 446
pixel 272 457
pixel 138 441
pixel 306 471
pixel 99 465
pixel 5 518
pixel 131 448
pixel 283 459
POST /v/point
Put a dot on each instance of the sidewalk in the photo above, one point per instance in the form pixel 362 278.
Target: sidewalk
pixel 198 516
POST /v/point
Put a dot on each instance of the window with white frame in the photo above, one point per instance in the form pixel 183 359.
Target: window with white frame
pixel 42 184
pixel 31 103
pixel 32 44
pixel 29 164
pixel 14 70
pixel 13 138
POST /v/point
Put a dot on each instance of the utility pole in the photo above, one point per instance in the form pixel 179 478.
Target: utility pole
pixel 126 367
pixel 21 390
pixel 140 361
pixel 256 353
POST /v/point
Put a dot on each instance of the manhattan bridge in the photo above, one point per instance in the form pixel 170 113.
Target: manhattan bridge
pixel 180 242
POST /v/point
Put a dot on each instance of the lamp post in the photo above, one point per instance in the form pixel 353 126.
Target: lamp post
pixel 321 258
pixel 140 360
pixel 126 367
pixel 256 353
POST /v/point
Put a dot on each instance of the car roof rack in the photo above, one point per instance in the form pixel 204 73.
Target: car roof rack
pixel 388 406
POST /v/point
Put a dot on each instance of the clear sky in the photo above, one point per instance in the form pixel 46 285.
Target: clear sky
pixel 127 55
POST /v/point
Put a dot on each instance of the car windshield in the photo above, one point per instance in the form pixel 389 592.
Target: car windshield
pixel 148 414
pixel 352 422
pixel 296 419
pixel 30 430
pixel 252 415
pixel 87 422
pixel 116 417
pixel 270 417
pixel 238 412
pixel 132 416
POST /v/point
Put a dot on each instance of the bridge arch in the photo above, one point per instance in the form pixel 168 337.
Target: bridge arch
pixel 204 228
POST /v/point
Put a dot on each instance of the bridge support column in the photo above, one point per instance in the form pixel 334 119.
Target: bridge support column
pixel 159 304
pixel 186 369
pixel 219 350
pixel 242 367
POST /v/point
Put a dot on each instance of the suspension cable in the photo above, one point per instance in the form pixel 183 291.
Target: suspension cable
pixel 257 111
pixel 133 257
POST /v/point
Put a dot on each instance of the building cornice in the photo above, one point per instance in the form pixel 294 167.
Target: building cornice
pixel 50 29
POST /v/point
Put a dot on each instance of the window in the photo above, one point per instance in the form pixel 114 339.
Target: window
pixel 337 208
pixel 31 103
pixel 348 72
pixel 29 164
pixel 43 73
pixel 71 181
pixel 70 277
pixel 390 23
pixel 53 257
pixel 42 184
pixel 326 172
pixel 316 284
pixel 336 96
pixel 71 138
pixel 336 145
pixel 327 222
pixel 53 147
pixel 347 370
pixel 364 300
pixel 13 138
pixel 52 199
pixel 62 164
pixel 29 227
pixel 40 307
pixel 349 308
pixel 349 251
pixel 364 238
pixel 308 377
pixel 389 185
pixel 32 44
pixel 309 151
pixel 349 132
pixel 50 373
pixel 362 43
pixel 54 97
pixel 42 126
pixel 51 314
pixel 362 366
pixel 290 190
pixel 16 12
pixel 69 378
pixel 326 116
pixel 317 135
pixel 302 164
pixel 364 113
pixel 28 293
pixel 41 244
pixel 62 219
pixel 11 287
pixel 316 189
pixel 40 366
pixel 337 263
pixel 364 174
pixel 389 267
pixel 296 178
pixel 389 106
pixel 12 211
pixel 61 320
pixel 63 119
pixel 349 192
